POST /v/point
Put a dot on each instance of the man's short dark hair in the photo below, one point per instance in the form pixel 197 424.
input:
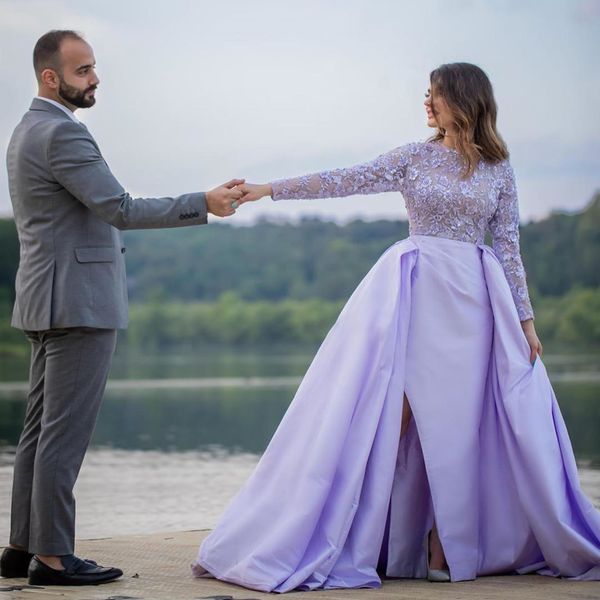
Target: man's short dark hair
pixel 46 54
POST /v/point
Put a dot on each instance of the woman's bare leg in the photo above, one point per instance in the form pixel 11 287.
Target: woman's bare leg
pixel 406 415
pixel 437 559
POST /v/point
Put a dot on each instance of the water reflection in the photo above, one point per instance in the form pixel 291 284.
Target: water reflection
pixel 244 419
pixel 277 360
pixel 238 420
pixel 580 406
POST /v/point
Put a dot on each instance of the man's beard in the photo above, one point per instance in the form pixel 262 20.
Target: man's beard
pixel 76 97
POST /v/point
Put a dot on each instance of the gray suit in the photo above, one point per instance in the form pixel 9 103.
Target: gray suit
pixel 68 209
pixel 71 296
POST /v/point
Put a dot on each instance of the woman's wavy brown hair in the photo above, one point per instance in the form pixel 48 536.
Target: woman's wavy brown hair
pixel 468 93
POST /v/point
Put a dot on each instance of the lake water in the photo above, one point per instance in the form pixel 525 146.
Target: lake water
pixel 179 433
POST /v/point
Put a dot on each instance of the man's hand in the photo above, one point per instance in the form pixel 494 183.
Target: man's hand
pixel 219 201
pixel 253 191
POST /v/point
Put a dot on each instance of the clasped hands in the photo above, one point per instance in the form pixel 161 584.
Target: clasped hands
pixel 225 199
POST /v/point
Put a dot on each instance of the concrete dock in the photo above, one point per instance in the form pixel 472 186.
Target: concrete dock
pixel 156 567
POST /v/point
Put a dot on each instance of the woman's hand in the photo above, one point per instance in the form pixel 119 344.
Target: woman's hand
pixel 254 191
pixel 532 339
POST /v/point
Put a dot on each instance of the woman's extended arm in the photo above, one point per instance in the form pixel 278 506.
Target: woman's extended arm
pixel 383 174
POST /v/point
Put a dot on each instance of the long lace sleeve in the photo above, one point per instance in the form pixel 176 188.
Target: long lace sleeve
pixel 504 227
pixel 383 174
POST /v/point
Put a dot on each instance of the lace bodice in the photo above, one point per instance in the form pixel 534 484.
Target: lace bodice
pixel 438 201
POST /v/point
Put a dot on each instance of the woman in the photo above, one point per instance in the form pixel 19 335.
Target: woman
pixel 425 439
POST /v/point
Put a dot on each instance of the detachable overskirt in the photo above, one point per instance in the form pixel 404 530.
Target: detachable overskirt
pixel 487 454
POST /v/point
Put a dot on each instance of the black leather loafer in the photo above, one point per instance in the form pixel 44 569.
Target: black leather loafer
pixel 76 572
pixel 14 563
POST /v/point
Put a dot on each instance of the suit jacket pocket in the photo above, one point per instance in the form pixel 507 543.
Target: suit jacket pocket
pixel 97 270
pixel 95 254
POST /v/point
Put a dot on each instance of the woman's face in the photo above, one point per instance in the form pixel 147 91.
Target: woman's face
pixel 438 113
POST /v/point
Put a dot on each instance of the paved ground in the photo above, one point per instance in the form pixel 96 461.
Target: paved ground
pixel 157 568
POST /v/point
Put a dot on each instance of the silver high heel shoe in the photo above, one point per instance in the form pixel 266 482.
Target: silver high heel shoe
pixel 436 575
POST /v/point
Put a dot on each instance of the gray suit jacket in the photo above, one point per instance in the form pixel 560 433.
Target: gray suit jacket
pixel 68 209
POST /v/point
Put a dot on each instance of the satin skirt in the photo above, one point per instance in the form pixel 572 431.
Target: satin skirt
pixel 338 497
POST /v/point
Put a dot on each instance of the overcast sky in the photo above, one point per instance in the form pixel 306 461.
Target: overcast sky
pixel 193 93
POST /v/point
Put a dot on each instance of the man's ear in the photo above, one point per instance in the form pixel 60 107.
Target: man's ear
pixel 50 78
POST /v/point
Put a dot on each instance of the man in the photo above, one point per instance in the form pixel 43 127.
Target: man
pixel 71 297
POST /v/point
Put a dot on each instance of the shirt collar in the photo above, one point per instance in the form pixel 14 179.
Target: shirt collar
pixel 70 113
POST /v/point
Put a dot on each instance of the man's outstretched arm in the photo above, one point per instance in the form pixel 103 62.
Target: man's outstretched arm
pixel 77 164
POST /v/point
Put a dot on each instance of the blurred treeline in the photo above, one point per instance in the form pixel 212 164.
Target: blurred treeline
pixel 287 282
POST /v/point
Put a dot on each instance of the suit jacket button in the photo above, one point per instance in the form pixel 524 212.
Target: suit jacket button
pixel 122 250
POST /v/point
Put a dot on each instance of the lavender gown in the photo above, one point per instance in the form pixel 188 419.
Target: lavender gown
pixel 337 493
